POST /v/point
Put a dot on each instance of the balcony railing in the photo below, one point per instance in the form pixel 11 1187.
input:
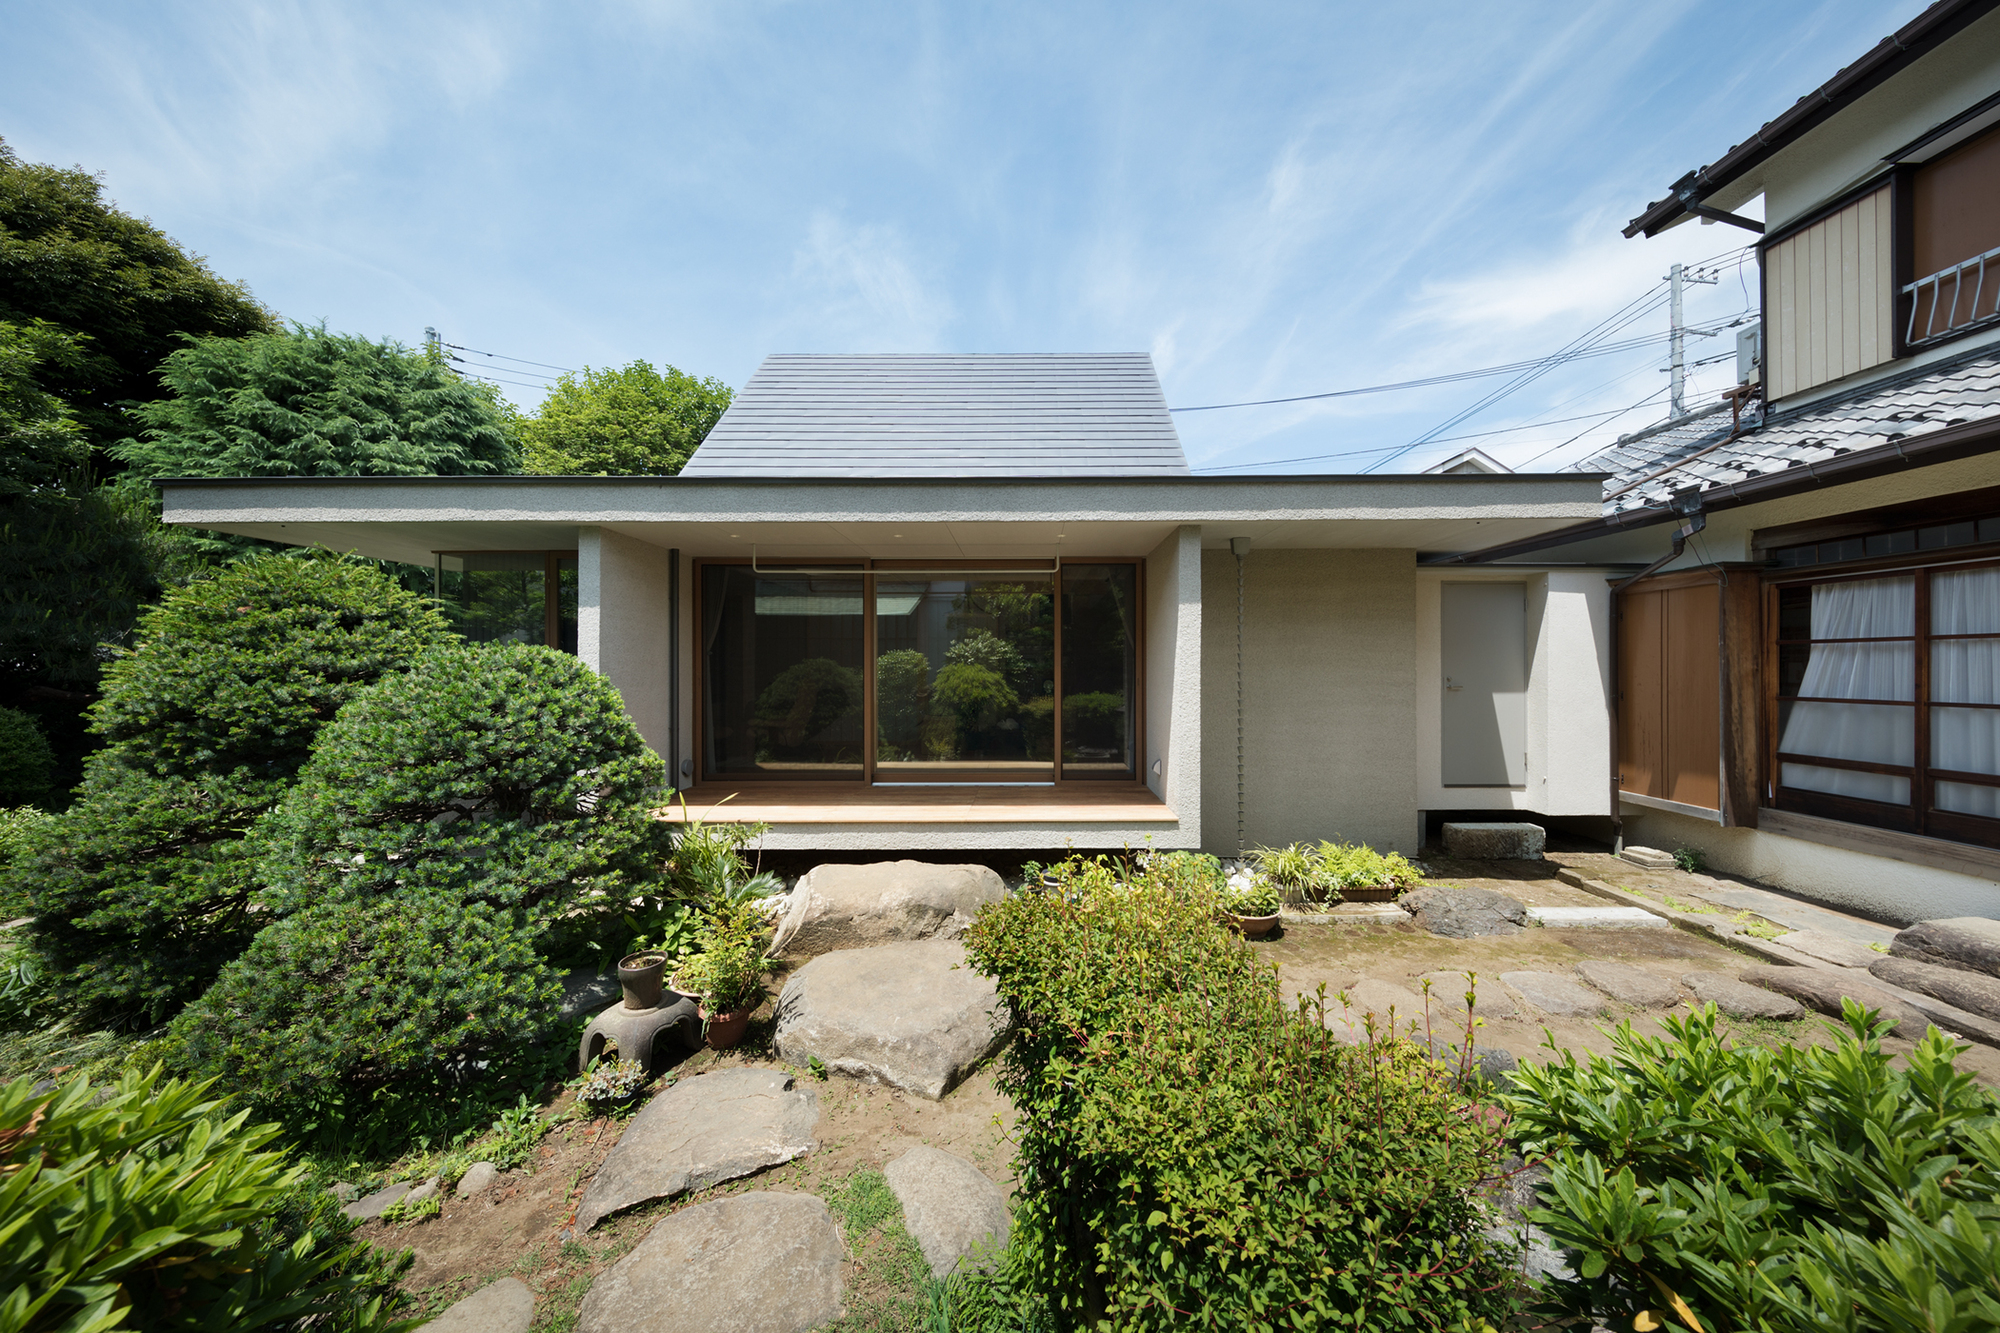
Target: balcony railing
pixel 1928 299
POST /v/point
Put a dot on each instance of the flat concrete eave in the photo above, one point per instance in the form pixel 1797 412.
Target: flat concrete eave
pixel 410 519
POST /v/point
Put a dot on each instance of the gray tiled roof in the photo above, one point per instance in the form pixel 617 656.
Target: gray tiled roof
pixel 993 415
pixel 1649 466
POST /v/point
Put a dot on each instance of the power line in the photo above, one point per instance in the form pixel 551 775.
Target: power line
pixel 503 357
pixel 511 370
pixel 494 379
pixel 1580 434
pixel 1390 448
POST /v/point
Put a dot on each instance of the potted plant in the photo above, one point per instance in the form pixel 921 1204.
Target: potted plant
pixel 727 976
pixel 1253 908
pixel 639 975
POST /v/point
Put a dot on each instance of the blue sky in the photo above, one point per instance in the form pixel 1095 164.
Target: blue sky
pixel 1273 199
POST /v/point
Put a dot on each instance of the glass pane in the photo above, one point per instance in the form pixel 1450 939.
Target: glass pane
pixel 1966 601
pixel 1100 670
pixel 965 678
pixel 1867 733
pixel 1865 608
pixel 781 672
pixel 496 597
pixel 1965 671
pixel 566 604
pixel 1965 740
pixel 1968 798
pixel 1884 787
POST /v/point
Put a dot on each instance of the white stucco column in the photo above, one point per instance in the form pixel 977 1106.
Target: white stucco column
pixel 621 623
pixel 1173 678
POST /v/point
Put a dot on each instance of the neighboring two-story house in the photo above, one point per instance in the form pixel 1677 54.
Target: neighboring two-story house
pixel 1808 680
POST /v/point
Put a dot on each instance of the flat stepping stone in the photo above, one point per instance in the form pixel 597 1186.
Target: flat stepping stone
pixel 854 907
pixel 585 991
pixel 1463 914
pixel 1829 948
pixel 1822 988
pixel 912 1015
pixel 478 1178
pixel 1738 999
pixel 1974 992
pixel 1629 985
pixel 701 1132
pixel 506 1306
pixel 1970 943
pixel 1553 993
pixel 372 1206
pixel 950 1208
pixel 1607 917
pixel 747 1263
pixel 1490 998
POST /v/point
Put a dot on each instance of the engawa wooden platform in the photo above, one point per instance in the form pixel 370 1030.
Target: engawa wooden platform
pixel 779 803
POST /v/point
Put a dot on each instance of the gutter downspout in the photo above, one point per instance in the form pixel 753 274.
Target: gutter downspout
pixel 1240 548
pixel 1689 504
pixel 674 669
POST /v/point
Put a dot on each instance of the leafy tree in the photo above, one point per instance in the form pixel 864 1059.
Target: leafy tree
pixel 447 818
pixel 632 422
pixel 70 257
pixel 144 889
pixel 310 403
pixel 26 761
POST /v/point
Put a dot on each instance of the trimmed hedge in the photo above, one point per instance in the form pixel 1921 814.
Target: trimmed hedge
pixel 1195 1155
pixel 1801 1188
pixel 447 819
pixel 143 889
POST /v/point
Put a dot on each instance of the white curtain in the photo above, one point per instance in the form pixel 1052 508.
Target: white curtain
pixel 1872 733
pixel 1966 671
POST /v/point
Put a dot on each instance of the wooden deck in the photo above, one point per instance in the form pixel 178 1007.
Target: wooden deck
pixel 778 803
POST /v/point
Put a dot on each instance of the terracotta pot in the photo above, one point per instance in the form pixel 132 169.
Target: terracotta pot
pixel 1381 893
pixel 722 1031
pixel 639 975
pixel 1253 927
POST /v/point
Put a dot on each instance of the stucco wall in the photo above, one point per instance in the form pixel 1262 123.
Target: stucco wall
pixel 1329 713
pixel 1568 705
pixel 1173 680
pixel 621 623
pixel 1876 887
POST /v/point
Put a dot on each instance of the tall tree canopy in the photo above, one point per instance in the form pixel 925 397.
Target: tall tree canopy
pixel 71 258
pixel 632 422
pixel 309 403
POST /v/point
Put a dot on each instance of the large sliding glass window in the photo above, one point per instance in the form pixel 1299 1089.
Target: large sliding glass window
pixel 964 678
pixel 939 676
pixel 781 673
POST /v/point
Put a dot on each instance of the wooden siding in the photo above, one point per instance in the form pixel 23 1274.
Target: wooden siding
pixel 1669 695
pixel 1829 297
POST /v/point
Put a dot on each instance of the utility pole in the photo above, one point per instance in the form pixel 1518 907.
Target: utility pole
pixel 1677 367
pixel 435 351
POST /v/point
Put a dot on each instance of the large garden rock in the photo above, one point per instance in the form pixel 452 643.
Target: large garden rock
pixel 700 1132
pixel 1822 988
pixel 506 1306
pixel 1628 984
pixel 1464 914
pixel 950 1208
pixel 374 1205
pixel 852 907
pixel 1972 991
pixel 912 1015
pixel 746 1263
pixel 1970 943
pixel 1554 993
pixel 1738 999
pixel 1495 841
pixel 1835 949
pixel 585 991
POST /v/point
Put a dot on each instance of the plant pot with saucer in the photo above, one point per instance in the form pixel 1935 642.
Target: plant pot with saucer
pixel 1253 909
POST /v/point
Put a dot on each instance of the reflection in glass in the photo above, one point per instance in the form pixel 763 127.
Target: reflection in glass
pixel 497 596
pixel 965 677
pixel 1100 675
pixel 781 672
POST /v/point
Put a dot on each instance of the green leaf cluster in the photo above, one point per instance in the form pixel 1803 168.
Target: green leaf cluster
pixel 1697 1184
pixel 151 1205
pixel 1193 1154
pixel 144 888
pixel 634 421
pixel 1319 873
pixel 447 818
pixel 309 403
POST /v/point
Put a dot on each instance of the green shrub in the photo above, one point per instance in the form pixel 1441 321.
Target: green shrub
pixel 157 1208
pixel 1745 1187
pixel 1319 874
pixel 143 888
pixel 1192 1154
pixel 26 761
pixel 447 818
pixel 19 829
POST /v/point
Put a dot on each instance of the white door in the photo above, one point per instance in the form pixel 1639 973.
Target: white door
pixel 1485 686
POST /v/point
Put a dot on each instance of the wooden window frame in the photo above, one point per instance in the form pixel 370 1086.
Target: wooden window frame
pixel 1918 817
pixel 551 584
pixel 971 775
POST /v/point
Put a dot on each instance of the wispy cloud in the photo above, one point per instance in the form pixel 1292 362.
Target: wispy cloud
pixel 856 286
